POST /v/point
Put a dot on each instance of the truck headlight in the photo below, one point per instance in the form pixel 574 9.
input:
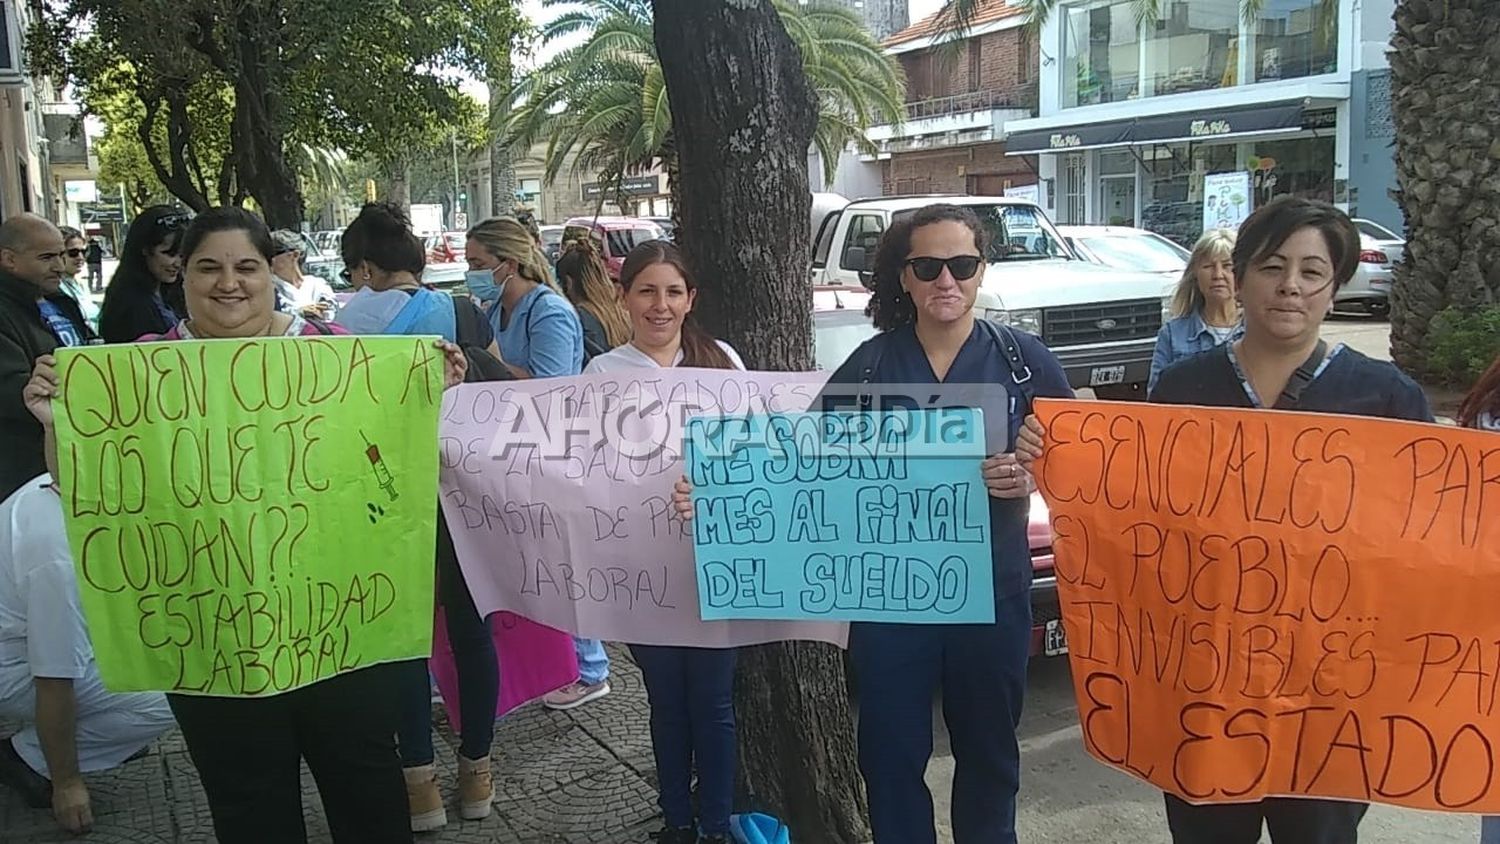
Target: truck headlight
pixel 1166 309
pixel 1029 321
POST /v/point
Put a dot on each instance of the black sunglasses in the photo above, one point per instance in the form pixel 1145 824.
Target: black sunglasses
pixel 172 221
pixel 75 253
pixel 961 267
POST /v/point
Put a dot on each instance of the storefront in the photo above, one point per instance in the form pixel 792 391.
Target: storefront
pixel 1207 109
pixel 1150 172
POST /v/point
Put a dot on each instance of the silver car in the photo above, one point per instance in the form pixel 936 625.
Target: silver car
pixel 1126 248
pixel 1370 289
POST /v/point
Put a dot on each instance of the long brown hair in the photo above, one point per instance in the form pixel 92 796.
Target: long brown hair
pixel 698 348
pixel 508 240
pixel 585 280
pixel 1484 397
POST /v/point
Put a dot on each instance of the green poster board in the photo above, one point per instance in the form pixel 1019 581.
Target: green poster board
pixel 250 517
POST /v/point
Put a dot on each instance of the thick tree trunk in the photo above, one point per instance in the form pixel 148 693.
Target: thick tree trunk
pixel 743 116
pixel 502 169
pixel 398 183
pixel 1445 93
pixel 259 133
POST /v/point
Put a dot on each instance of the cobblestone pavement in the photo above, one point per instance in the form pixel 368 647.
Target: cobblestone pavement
pixel 579 777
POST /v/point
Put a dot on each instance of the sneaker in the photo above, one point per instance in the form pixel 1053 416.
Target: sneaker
pixel 476 791
pixel 34 788
pixel 575 694
pixel 683 835
pixel 424 800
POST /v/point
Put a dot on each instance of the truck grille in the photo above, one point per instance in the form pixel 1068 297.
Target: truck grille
pixel 1077 325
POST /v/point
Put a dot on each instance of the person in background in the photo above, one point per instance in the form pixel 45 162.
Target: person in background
pixel 540 336
pixel 928 269
pixel 75 252
pixel 248 750
pixel 49 681
pixel 94 256
pixel 141 294
pixel 384 260
pixel 35 318
pixel 1290 259
pixel 1204 311
pixel 305 295
pixel 690 690
pixel 585 279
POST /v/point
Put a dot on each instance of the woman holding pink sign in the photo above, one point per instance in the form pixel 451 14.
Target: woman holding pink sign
pixel 691 690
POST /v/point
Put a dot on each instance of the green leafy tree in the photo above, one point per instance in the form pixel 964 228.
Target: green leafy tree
pixel 364 77
pixel 603 104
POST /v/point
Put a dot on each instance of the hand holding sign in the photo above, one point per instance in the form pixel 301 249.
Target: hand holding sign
pixel 228 520
pixel 1262 604
pixel 41 389
pixel 857 516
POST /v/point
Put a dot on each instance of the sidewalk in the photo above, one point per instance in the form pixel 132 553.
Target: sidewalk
pixel 560 778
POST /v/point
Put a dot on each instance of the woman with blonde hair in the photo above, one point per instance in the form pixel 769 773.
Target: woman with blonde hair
pixel 585 279
pixel 1204 311
pixel 540 336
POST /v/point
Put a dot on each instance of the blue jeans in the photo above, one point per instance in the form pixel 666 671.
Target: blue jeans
pixel 1489 830
pixel 474 658
pixel 981 669
pixel 691 691
pixel 593 662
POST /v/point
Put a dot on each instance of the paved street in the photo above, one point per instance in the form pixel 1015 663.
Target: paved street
pixel 586 777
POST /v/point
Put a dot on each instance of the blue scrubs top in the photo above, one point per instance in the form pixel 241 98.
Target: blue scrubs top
pixel 897 357
pixel 542 334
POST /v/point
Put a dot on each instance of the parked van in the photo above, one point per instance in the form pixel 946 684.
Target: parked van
pixel 1099 321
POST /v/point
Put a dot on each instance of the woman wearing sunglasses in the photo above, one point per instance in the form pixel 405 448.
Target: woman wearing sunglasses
pixel 928 269
pixel 75 252
pixel 145 294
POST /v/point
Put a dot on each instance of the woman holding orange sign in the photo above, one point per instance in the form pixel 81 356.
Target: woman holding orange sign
pixel 1290 259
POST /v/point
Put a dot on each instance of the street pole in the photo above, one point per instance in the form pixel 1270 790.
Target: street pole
pixel 454 215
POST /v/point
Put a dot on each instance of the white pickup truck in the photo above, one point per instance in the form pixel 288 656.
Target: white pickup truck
pixel 1100 322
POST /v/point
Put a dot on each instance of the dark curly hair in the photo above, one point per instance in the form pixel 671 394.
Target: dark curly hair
pixel 889 306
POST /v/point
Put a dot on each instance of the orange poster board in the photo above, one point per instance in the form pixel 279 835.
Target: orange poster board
pixel 1261 603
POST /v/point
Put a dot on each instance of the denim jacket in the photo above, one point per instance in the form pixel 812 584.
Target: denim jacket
pixel 1181 338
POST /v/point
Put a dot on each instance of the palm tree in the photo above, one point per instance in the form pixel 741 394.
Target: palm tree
pixel 603 103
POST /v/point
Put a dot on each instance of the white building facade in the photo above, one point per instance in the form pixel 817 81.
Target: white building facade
pixel 1134 118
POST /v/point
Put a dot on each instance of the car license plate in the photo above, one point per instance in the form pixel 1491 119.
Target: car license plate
pixel 1054 638
pixel 1104 375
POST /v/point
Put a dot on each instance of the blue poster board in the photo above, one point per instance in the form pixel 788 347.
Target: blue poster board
pixel 846 516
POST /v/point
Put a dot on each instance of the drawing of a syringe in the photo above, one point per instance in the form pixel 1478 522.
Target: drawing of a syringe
pixel 382 472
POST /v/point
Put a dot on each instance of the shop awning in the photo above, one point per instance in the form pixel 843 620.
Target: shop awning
pixel 1189 126
pixel 1223 123
pixel 1071 138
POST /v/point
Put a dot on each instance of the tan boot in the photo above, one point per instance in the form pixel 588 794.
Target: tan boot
pixel 424 800
pixel 476 792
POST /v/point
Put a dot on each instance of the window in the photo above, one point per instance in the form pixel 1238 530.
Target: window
pixel 1017 232
pixel 1075 179
pixel 1295 38
pixel 976 64
pixel 1193 46
pixel 1145 253
pixel 825 239
pixel 1375 230
pixel 1101 55
pixel 1025 57
pixel 621 241
pixel 864 232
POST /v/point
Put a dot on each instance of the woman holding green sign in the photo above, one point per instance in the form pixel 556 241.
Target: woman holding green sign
pixel 248 750
pixel 691 690
pixel 928 269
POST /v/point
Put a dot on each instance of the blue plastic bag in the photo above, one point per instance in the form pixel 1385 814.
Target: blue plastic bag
pixel 756 828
